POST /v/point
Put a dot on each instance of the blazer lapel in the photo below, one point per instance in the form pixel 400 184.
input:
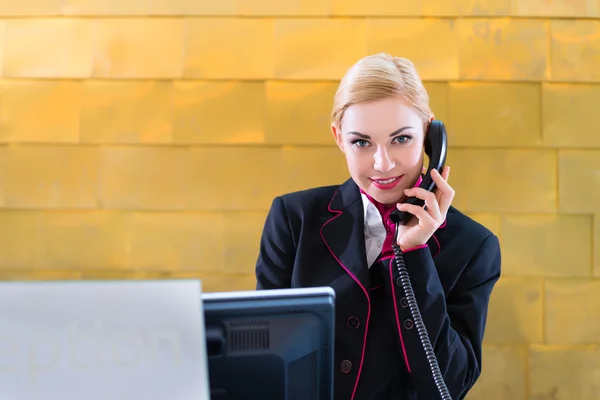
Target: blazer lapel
pixel 343 233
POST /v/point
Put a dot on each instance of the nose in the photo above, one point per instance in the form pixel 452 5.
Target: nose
pixel 383 162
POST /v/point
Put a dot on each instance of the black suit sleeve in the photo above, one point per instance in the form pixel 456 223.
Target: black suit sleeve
pixel 455 324
pixel 277 250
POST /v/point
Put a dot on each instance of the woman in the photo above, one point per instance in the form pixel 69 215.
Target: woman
pixel 340 236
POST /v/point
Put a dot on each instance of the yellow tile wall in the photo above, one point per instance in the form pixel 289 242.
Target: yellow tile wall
pixel 147 139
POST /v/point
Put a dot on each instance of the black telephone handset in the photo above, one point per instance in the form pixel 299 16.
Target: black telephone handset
pixel 436 144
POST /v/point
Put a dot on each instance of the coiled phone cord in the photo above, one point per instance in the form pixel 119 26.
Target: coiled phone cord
pixel 418 320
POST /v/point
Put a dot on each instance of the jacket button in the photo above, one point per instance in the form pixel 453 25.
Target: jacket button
pixel 404 302
pixel 399 281
pixel 408 324
pixel 346 366
pixel 353 322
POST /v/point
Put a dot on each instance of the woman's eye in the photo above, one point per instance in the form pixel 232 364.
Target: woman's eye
pixel 360 143
pixel 402 139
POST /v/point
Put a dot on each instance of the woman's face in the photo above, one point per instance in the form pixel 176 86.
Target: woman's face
pixel 383 144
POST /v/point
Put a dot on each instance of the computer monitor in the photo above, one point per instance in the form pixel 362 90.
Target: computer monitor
pixel 270 344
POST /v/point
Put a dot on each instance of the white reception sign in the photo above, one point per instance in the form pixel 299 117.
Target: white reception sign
pixel 102 340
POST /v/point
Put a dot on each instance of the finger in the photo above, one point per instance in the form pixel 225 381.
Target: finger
pixel 420 193
pixel 424 217
pixel 446 173
pixel 447 192
pixel 445 201
pixel 444 192
pixel 432 206
pixel 440 179
pixel 430 199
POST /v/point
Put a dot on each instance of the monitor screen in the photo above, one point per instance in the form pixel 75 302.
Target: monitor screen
pixel 270 344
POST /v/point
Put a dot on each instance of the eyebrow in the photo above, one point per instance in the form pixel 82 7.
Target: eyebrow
pixel 362 135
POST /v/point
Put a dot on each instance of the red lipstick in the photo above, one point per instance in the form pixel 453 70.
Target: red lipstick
pixel 386 183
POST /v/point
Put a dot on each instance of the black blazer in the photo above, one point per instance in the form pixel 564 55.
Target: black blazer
pixel 315 237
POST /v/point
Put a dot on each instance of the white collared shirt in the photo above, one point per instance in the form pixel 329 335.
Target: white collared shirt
pixel 375 232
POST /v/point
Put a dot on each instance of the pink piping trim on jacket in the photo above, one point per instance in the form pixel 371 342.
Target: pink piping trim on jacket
pixel 438 245
pixel 392 258
pixel 423 246
pixel 362 357
pixel 397 319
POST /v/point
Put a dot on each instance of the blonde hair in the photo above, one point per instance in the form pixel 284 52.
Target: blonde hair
pixel 377 77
